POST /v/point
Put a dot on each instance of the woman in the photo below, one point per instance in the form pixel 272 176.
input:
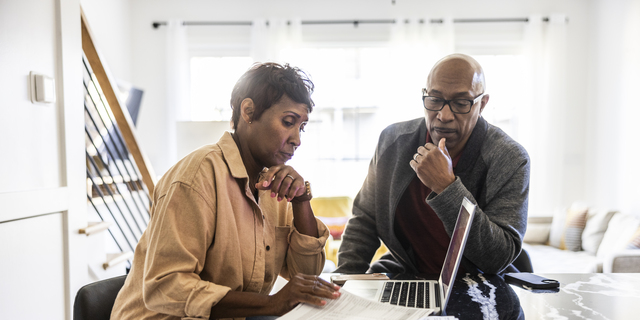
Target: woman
pixel 230 217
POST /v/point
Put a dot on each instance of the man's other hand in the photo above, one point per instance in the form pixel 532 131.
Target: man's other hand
pixel 433 166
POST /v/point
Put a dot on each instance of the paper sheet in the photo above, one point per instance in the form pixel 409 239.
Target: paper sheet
pixel 351 307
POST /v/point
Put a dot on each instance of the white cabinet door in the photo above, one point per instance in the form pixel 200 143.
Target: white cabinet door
pixel 32 268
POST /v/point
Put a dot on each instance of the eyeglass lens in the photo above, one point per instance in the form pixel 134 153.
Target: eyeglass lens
pixel 457 105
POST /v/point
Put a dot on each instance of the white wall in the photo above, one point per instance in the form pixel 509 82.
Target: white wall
pixel 110 23
pixel 149 72
pixel 31 157
pixel 42 179
pixel 613 107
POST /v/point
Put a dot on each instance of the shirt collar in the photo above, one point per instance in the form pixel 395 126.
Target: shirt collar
pixel 232 157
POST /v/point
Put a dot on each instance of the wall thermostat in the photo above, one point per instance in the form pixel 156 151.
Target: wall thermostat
pixel 42 88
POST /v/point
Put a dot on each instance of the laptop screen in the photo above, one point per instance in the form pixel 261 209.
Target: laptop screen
pixel 456 249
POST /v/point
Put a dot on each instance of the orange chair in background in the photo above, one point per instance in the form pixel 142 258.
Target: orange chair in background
pixel 335 213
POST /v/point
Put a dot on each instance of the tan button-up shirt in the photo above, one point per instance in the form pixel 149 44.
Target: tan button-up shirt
pixel 207 236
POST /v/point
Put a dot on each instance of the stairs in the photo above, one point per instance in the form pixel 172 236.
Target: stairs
pixel 102 264
pixel 119 177
pixel 119 209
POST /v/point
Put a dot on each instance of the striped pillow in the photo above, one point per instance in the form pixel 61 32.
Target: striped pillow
pixel 575 223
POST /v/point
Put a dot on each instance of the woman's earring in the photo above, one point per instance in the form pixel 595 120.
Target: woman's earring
pixel 250 122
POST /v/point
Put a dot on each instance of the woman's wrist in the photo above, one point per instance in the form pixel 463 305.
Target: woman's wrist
pixel 303 218
pixel 306 196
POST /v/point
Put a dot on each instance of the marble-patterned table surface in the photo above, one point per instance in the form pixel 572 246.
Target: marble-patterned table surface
pixel 597 296
pixel 580 296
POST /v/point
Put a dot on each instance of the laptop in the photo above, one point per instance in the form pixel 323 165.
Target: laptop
pixel 429 294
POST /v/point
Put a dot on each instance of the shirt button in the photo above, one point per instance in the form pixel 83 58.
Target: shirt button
pixel 268 248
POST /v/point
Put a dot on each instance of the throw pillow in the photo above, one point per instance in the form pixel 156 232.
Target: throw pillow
pixel 561 221
pixel 621 228
pixel 557 227
pixel 576 222
pixel 537 230
pixel 597 222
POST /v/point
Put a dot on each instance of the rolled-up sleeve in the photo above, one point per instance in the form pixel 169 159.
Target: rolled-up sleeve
pixel 179 238
pixel 306 253
pixel 495 239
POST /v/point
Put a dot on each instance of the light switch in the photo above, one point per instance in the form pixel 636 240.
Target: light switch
pixel 42 88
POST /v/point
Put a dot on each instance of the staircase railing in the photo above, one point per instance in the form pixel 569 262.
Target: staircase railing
pixel 121 115
pixel 120 179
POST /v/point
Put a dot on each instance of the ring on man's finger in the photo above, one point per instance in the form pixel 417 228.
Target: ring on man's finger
pixel 415 156
pixel 290 176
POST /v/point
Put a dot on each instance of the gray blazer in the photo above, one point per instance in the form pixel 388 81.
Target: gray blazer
pixel 493 172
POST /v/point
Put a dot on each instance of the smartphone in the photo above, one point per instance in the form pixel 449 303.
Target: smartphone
pixel 340 279
pixel 531 280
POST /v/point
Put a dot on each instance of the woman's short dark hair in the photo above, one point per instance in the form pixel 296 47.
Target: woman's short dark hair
pixel 265 83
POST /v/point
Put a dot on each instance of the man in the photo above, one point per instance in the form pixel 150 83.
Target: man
pixel 423 168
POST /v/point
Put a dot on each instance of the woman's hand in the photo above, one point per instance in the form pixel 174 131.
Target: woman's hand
pixel 284 182
pixel 303 288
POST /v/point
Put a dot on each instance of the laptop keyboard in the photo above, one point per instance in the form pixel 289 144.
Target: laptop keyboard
pixel 413 294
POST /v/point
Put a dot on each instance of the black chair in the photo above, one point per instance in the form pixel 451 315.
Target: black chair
pixel 523 262
pixel 95 300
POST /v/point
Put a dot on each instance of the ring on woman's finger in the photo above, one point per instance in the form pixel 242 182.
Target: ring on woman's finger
pixel 290 176
pixel 415 156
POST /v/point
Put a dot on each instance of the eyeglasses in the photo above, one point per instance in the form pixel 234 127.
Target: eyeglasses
pixel 460 106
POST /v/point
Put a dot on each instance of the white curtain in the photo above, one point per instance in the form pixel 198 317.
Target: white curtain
pixel 177 81
pixel 275 40
pixel 416 45
pixel 613 171
pixel 629 171
pixel 542 119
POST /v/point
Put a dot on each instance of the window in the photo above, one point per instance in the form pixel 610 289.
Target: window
pixel 360 90
pixel 212 80
pixel 344 124
pixel 505 78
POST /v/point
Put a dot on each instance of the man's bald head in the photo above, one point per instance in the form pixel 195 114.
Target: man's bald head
pixel 461 67
pixel 455 80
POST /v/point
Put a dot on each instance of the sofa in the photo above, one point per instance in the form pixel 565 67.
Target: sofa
pixel 581 239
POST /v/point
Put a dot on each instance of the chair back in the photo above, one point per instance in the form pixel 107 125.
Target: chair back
pixel 95 300
pixel 523 262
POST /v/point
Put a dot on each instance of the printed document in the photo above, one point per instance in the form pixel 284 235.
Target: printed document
pixel 352 307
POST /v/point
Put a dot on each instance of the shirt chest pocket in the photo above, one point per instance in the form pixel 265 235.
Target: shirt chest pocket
pixel 281 246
